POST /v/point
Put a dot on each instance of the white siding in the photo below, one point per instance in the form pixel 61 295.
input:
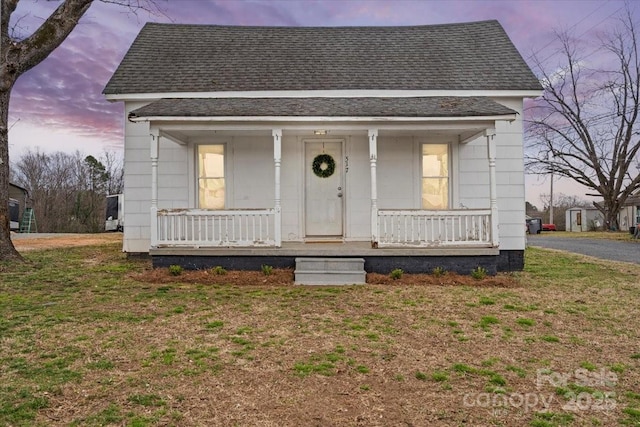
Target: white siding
pixel 137 183
pixel 250 160
pixel 510 177
pixel 358 189
pixel 291 185
pixel 398 174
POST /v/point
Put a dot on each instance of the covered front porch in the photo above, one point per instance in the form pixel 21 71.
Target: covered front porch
pixel 198 228
pixel 397 220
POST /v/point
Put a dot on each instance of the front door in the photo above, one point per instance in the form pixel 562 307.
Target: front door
pixel 324 189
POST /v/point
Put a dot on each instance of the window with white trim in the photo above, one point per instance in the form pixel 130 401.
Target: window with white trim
pixel 211 181
pixel 435 176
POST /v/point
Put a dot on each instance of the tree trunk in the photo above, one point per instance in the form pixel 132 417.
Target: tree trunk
pixel 7 250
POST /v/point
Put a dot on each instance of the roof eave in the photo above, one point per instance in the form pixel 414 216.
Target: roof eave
pixel 324 119
pixel 371 93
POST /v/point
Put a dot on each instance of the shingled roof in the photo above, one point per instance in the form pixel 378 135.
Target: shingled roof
pixel 173 58
pixel 324 107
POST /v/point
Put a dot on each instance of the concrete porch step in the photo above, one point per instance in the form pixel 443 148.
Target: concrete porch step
pixel 330 271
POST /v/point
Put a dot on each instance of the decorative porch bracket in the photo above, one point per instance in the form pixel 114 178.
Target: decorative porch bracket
pixel 493 193
pixel 373 159
pixel 277 159
pixel 154 152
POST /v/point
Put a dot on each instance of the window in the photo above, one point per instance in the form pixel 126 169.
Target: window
pixel 435 176
pixel 211 183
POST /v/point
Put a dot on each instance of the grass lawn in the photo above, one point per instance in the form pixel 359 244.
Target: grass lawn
pixel 83 343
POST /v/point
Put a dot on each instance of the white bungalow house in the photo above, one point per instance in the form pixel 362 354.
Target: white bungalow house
pixel 402 146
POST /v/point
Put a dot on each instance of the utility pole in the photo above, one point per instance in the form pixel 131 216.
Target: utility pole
pixel 550 158
pixel 551 200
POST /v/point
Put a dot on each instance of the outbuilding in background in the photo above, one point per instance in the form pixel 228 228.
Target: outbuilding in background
pixel 18 201
pixel 583 219
pixel 115 213
pixel 629 216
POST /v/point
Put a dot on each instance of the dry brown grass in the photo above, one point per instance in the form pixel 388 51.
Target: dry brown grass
pixel 601 235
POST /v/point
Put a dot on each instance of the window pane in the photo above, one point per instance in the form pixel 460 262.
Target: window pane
pixel 435 176
pixel 211 161
pixel 211 181
pixel 211 192
pixel 435 160
pixel 435 193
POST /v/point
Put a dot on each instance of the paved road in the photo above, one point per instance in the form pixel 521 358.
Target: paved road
pixel 599 248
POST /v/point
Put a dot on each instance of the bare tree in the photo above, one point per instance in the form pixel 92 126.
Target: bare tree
pixel 18 56
pixel 114 167
pixel 584 125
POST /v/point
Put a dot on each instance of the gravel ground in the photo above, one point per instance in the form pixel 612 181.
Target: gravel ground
pixel 599 248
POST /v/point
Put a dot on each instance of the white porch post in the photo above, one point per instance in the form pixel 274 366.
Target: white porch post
pixel 373 159
pixel 277 158
pixel 155 148
pixel 493 193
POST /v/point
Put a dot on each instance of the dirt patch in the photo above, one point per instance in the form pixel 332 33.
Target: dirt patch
pixel 279 277
pixel 38 241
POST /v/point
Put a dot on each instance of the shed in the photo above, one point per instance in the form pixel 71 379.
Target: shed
pixel 583 219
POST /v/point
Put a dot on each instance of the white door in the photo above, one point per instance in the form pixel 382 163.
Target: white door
pixel 323 189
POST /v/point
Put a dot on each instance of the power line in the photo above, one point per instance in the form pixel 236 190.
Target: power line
pixel 570 28
pixel 542 61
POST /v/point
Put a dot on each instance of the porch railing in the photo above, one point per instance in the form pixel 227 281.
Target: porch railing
pixel 215 228
pixel 422 228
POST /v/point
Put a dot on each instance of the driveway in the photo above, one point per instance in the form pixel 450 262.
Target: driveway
pixel 599 248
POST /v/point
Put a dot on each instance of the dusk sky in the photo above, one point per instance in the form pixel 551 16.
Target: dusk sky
pixel 59 106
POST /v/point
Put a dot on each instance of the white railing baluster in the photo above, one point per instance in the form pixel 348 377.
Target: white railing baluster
pixel 203 228
pixel 421 228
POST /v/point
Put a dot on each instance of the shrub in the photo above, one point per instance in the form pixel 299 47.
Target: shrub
pixel 396 273
pixel 218 270
pixel 479 273
pixel 267 270
pixel 439 271
pixel 175 270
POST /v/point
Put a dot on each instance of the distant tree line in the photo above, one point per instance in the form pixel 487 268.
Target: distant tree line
pixel 68 191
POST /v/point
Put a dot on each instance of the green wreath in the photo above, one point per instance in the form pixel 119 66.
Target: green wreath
pixel 324 166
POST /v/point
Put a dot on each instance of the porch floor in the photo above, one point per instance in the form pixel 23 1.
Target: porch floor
pixel 328 249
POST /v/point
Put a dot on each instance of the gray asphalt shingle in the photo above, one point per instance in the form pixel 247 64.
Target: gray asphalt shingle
pixel 171 58
pixel 324 107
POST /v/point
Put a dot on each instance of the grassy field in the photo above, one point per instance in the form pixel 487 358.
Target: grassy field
pixel 83 342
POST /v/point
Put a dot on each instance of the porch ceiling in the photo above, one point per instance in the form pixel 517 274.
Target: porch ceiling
pixel 445 107
pixel 187 134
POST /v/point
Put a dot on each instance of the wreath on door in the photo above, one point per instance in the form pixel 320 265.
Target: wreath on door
pixel 323 166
